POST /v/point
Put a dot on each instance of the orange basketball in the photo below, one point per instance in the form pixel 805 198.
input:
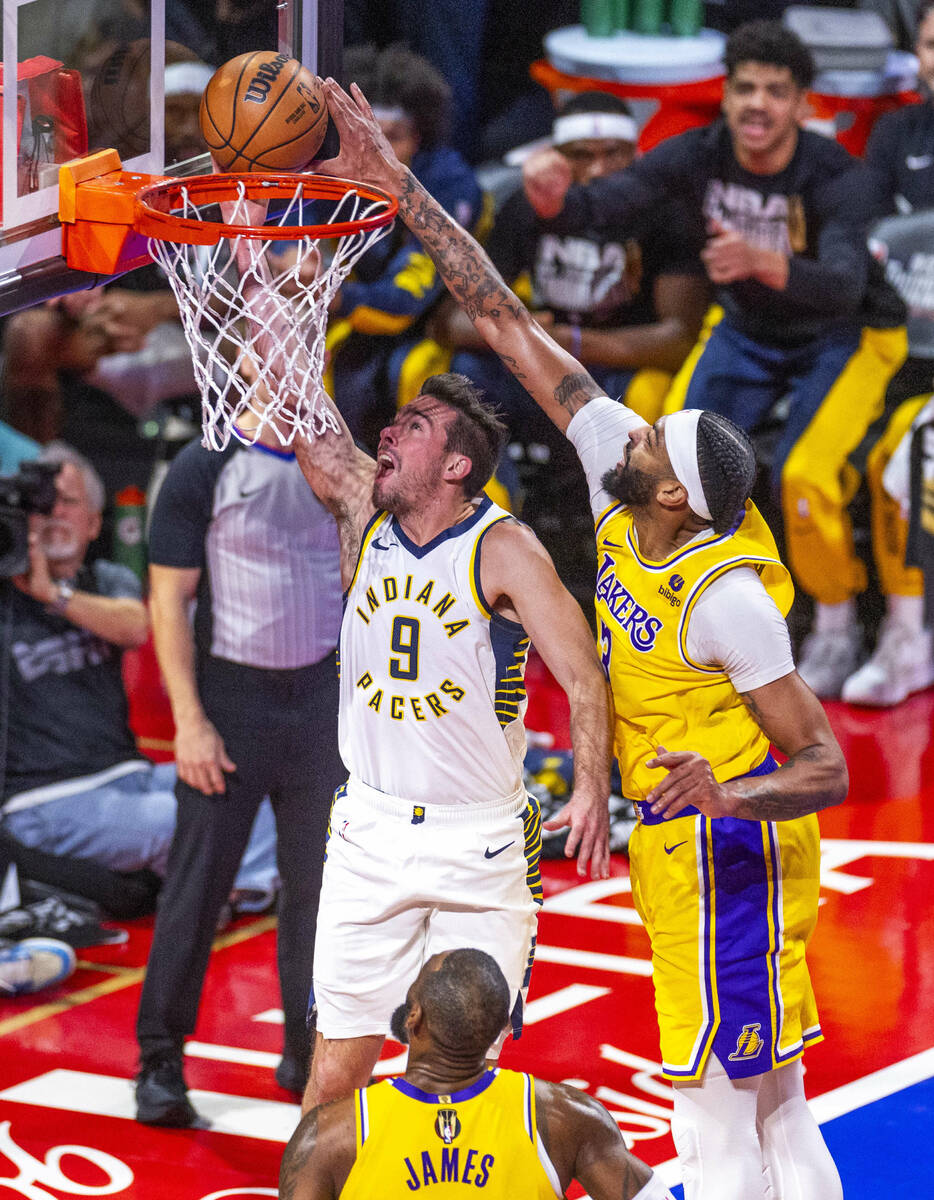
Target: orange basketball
pixel 263 111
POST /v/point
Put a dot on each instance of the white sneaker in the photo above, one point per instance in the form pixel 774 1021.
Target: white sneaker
pixel 827 660
pixel 33 964
pixel 902 663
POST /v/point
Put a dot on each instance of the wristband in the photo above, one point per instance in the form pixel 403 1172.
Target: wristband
pixel 576 341
pixel 63 594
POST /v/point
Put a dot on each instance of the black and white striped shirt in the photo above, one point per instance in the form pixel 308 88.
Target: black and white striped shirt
pixel 270 589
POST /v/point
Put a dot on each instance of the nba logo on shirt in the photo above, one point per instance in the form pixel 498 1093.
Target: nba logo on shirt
pixel 748 1044
pixel 447 1125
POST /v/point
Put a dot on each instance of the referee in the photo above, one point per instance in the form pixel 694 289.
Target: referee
pixel 253 688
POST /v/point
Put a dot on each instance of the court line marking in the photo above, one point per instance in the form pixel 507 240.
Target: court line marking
pixel 849 1097
pixel 110 1096
pixel 119 978
pixel 274 1121
pixel 551 1005
pixel 618 963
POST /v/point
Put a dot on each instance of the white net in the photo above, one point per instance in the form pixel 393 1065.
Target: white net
pixel 254 310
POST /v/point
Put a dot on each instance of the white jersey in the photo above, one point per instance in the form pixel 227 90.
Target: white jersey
pixel 432 681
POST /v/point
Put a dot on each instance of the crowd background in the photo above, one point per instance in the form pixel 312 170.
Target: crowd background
pixel 109 372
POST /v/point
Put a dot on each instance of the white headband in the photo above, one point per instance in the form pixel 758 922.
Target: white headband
pixel 578 127
pixel 187 78
pixel 386 112
pixel 681 444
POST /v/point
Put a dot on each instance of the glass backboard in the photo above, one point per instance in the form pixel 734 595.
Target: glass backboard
pixel 122 74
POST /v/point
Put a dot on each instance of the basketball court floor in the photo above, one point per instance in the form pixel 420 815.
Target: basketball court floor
pixel 67 1057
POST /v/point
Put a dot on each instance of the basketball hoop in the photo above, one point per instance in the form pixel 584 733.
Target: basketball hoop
pixel 256 332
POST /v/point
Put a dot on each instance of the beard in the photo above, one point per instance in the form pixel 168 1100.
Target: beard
pixel 59 541
pixel 629 485
pixel 397 1024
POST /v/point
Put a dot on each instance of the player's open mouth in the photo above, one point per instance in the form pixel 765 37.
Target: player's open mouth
pixel 755 125
pixel 384 465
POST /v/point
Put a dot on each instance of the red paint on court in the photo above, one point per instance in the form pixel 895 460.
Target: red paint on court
pixel 872 962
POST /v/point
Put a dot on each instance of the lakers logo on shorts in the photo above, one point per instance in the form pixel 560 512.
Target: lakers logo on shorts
pixel 418 814
pixel 748 1044
pixel 447 1125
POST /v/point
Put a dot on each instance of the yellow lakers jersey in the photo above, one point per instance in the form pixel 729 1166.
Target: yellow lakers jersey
pixel 661 696
pixel 410 1141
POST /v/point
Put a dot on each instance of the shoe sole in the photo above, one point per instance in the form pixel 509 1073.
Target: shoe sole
pixel 176 1117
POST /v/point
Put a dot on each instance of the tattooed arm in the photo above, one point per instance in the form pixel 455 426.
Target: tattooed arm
pixel 552 376
pixel 814 776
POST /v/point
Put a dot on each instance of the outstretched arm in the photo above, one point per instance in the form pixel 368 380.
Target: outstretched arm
pixel 552 376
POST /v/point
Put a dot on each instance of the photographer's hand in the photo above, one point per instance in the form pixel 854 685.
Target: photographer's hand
pixel 37 582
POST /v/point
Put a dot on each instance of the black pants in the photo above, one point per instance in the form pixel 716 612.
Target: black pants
pixel 280 728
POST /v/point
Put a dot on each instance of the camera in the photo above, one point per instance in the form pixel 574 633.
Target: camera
pixel 30 490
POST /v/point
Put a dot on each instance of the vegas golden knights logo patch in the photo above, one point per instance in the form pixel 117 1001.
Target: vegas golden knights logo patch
pixel 447 1125
pixel 748 1044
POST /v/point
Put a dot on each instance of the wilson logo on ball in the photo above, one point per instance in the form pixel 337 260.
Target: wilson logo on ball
pixel 261 83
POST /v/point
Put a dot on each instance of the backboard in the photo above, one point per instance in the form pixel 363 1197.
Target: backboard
pixel 122 74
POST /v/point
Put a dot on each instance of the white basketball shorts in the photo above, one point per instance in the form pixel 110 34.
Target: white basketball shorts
pixel 403 882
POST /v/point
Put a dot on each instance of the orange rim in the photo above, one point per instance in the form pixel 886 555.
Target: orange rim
pixel 155 218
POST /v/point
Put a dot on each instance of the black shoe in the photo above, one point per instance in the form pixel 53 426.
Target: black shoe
pixel 161 1095
pixel 52 918
pixel 292 1074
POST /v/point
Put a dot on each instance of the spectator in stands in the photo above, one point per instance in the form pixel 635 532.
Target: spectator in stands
pixel 74 783
pixel 626 302
pixel 253 688
pixel 483 49
pixel 900 159
pixel 806 313
pixel 86 367
pixel 377 322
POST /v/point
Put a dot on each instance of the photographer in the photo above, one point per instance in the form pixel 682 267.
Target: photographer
pixel 74 783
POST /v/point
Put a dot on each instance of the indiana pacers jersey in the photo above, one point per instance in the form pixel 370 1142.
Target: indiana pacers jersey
pixel 728 904
pixel 432 680
pixel 410 1141
pixel 643 610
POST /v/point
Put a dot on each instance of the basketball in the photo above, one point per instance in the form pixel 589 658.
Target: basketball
pixel 263 111
pixel 118 104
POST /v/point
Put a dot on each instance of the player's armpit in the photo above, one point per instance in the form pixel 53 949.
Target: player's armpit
pixel 341 475
pixel 519 579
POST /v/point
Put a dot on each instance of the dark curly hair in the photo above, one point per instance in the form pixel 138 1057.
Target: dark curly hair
pixel 476 430
pixel 727 465
pixel 588 102
pixel 397 75
pixel 772 43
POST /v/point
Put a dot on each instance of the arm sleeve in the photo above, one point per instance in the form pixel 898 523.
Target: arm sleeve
pixel 184 507
pixel 835 280
pixel 736 625
pixel 599 433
